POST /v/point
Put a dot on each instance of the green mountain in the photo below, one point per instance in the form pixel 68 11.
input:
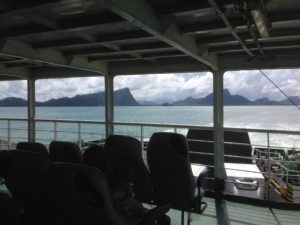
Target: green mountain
pixel 122 97
pixel 229 99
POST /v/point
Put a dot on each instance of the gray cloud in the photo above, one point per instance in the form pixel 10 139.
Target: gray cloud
pixel 165 87
pixel 13 89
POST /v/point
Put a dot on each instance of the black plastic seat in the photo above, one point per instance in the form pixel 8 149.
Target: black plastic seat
pixel 25 177
pixel 236 144
pixel 125 155
pixel 205 144
pixel 63 151
pixel 171 174
pixel 79 195
pixel 33 147
pixel 96 156
pixel 10 210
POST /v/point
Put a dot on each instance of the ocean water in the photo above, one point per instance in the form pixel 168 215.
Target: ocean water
pixel 261 117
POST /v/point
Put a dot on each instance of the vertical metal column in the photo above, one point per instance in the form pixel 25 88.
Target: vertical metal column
pixel 218 109
pixel 31 109
pixel 109 104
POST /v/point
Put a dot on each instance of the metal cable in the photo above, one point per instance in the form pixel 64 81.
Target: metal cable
pixel 272 82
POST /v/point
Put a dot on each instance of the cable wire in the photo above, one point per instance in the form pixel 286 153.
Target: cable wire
pixel 272 82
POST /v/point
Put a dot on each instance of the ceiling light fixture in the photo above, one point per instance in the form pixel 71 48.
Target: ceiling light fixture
pixel 258 12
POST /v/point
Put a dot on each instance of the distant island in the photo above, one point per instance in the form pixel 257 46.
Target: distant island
pixel 123 97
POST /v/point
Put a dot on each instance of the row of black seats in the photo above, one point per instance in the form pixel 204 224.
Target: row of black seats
pixel 171 180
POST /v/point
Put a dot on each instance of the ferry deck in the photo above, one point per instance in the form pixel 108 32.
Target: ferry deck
pixel 108 38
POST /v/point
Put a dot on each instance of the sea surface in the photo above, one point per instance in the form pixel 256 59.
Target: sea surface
pixel 258 117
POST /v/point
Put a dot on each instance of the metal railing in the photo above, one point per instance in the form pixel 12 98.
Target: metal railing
pixel 13 130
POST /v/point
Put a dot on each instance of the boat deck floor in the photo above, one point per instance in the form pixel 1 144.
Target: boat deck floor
pixel 234 213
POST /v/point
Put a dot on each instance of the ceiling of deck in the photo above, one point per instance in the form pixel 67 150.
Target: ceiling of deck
pixel 51 38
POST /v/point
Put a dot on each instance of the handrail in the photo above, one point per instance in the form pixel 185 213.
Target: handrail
pixel 254 130
pixel 142 135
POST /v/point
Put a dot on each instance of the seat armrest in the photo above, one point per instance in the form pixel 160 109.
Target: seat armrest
pixel 154 214
pixel 201 179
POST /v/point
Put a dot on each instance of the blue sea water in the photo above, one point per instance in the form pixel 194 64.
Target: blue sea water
pixel 261 117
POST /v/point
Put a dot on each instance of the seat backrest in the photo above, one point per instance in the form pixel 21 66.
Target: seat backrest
pixel 10 210
pixel 4 154
pixel 25 178
pixel 170 170
pixel 204 144
pixel 96 156
pixel 64 151
pixel 125 155
pixel 233 148
pixel 33 147
pixel 79 195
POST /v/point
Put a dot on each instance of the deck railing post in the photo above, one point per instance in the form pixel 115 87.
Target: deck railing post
pixel 142 137
pixel 31 109
pixel 218 109
pixel 8 134
pixel 55 131
pixel 269 175
pixel 79 134
pixel 109 104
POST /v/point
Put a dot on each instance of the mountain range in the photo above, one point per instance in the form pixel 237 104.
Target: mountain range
pixel 123 97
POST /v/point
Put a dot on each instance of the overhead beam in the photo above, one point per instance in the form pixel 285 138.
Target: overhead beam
pixel 145 56
pixel 19 49
pixel 201 28
pixel 170 65
pixel 238 24
pixel 230 27
pixel 141 14
pixel 275 35
pixel 13 73
pixel 103 39
pixel 41 20
pixel 272 45
pixel 130 49
pixel 99 23
pixel 4 6
pixel 29 6
pixel 187 8
pixel 59 72
pixel 241 61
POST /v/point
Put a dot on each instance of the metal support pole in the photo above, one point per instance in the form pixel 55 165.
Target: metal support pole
pixel 219 171
pixel 109 104
pixel 31 109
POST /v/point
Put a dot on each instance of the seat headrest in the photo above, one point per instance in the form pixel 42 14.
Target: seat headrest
pixel 121 146
pixel 172 140
pixel 4 154
pixel 96 156
pixel 63 151
pixel 33 147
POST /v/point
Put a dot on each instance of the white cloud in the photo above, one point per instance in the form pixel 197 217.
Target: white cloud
pixel 253 85
pixel 165 87
pixel 69 87
pixel 13 89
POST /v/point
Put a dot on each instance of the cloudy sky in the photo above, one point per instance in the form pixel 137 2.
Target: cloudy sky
pixel 165 87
